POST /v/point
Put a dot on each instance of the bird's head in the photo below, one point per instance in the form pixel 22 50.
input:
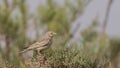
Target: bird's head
pixel 51 33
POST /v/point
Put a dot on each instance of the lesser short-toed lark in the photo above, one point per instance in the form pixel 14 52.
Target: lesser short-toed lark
pixel 41 45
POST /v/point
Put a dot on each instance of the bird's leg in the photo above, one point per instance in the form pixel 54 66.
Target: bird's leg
pixel 38 52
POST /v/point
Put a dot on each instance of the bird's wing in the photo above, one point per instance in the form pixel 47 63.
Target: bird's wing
pixel 39 44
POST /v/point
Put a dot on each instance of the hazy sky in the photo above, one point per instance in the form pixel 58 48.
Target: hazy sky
pixel 99 7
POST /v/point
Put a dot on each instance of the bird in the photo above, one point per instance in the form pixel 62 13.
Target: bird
pixel 41 45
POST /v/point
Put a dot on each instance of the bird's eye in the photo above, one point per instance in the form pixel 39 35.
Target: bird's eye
pixel 51 33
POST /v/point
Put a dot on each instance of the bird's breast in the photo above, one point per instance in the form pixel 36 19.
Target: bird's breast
pixel 50 42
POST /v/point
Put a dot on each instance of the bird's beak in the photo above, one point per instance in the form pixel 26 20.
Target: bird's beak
pixel 55 33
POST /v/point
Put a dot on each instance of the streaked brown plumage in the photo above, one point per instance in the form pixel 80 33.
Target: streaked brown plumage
pixel 43 44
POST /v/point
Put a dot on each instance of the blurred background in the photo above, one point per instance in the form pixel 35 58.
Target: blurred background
pixel 87 31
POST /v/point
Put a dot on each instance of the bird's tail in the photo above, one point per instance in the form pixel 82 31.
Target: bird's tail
pixel 23 51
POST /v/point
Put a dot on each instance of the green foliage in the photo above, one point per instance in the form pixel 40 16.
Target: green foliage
pixel 11 27
pixel 115 47
pixel 52 16
pixel 73 57
pixel 90 34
